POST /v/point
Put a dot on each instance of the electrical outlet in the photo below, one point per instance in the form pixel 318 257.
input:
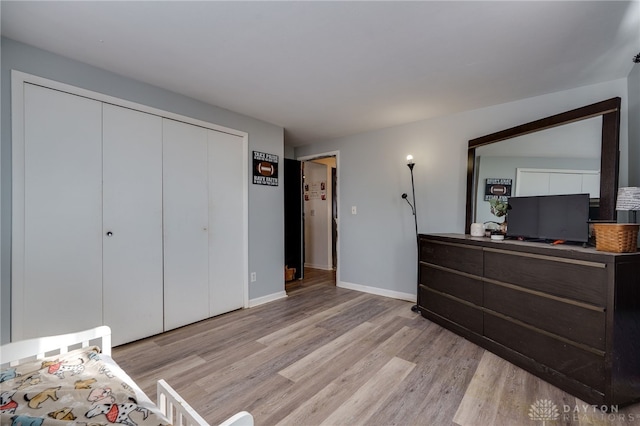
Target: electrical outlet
pixel 354 210
pixel 253 277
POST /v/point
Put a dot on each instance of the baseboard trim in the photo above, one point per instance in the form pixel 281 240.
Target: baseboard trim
pixel 321 267
pixel 266 299
pixel 379 291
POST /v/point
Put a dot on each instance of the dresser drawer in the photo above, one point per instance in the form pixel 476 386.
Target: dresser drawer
pixel 579 322
pixel 573 279
pixel 565 313
pixel 463 314
pixel 463 286
pixel 582 365
pixel 450 255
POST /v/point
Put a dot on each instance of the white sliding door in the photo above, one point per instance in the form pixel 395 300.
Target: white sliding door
pixel 557 182
pixel 123 215
pixel 226 231
pixel 132 223
pixel 186 223
pixel 57 256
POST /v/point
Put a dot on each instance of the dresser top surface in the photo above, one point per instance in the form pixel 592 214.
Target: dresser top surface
pixel 563 250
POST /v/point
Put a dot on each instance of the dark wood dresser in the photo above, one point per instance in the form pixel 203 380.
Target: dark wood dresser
pixel 568 314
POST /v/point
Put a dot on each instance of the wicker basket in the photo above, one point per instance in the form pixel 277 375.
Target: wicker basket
pixel 616 237
pixel 289 273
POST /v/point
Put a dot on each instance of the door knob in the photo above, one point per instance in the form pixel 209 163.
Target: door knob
pixel 109 233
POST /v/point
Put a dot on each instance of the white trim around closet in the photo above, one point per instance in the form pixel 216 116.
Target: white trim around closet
pixel 18 79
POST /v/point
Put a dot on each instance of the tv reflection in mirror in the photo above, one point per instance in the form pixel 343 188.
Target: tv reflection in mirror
pixel 549 218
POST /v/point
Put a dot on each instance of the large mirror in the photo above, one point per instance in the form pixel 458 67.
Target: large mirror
pixel 580 144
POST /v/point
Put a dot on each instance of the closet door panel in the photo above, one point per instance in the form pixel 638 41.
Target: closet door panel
pixel 227 270
pixel 62 287
pixel 565 183
pixel 185 206
pixel 132 224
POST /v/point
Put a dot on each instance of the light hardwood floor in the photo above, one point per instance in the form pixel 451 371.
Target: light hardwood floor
pixel 332 356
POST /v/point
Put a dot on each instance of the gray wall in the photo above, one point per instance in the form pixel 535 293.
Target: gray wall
pixel 377 246
pixel 266 227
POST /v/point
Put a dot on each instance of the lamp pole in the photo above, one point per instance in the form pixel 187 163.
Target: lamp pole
pixel 411 164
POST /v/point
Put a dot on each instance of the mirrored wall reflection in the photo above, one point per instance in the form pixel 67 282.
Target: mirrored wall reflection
pixel 559 160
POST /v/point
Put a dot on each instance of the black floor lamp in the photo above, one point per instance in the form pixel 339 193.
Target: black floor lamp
pixel 410 164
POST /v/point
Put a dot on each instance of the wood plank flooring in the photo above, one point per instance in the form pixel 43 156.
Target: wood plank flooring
pixel 332 356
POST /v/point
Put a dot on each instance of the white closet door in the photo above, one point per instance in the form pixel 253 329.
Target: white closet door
pixel 62 264
pixel 226 227
pixel 565 183
pixel 532 183
pixel 132 224
pixel 591 184
pixel 185 203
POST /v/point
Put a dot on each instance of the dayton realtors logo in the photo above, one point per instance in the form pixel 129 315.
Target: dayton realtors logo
pixel 544 410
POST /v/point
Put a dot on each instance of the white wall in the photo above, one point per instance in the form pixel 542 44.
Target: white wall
pixel 317 231
pixel 266 225
pixel 377 246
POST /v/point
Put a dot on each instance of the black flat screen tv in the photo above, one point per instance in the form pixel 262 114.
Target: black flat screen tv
pixel 549 217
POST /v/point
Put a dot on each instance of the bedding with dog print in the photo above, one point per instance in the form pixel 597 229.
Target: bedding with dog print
pixel 80 387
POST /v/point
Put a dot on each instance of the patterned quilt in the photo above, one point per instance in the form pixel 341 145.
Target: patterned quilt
pixel 82 387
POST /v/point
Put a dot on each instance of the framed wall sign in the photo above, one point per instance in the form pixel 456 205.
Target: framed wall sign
pixel 497 188
pixel 265 169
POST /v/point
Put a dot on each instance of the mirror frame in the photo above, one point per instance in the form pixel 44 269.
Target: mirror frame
pixel 609 155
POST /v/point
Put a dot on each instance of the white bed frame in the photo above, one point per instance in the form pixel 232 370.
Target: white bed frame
pixel 176 409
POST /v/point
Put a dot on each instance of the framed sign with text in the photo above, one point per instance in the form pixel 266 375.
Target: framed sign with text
pixel 265 169
pixel 497 188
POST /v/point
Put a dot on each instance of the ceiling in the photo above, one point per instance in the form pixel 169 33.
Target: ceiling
pixel 328 69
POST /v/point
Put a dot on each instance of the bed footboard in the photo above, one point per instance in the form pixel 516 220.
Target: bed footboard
pixel 15 352
pixel 180 413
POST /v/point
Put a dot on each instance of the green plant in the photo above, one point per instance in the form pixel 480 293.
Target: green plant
pixel 498 207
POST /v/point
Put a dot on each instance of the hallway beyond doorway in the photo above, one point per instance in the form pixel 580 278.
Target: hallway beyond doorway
pixel 313 277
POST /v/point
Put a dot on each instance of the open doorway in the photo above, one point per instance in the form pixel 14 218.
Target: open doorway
pixel 319 212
